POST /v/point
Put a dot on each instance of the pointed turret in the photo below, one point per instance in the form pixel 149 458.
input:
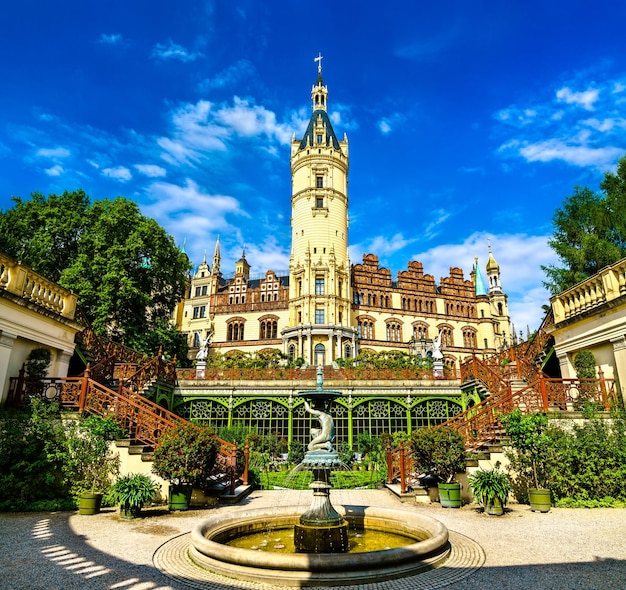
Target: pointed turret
pixel 320 132
pixel 242 267
pixel 493 273
pixel 480 285
pixel 217 258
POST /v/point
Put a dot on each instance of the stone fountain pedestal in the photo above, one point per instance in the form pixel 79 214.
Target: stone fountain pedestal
pixel 321 528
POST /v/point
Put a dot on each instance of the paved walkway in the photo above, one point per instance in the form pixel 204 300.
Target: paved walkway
pixel 564 549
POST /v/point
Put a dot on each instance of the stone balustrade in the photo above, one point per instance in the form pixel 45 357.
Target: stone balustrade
pixel 607 285
pixel 20 280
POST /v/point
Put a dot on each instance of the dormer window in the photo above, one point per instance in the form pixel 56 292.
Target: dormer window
pixel 319 138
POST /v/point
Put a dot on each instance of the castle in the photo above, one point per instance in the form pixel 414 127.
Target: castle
pixel 327 308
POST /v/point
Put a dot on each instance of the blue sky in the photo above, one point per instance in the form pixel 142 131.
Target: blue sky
pixel 467 121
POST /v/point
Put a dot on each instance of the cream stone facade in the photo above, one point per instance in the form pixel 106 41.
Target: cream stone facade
pixel 327 308
pixel 34 313
pixel 592 316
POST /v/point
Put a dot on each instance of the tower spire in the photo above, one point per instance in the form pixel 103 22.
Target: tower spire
pixel 217 257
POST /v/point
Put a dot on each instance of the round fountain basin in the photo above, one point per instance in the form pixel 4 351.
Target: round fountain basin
pixel 427 546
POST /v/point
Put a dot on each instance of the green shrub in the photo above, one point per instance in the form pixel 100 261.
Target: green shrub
pixel 439 452
pixel 186 453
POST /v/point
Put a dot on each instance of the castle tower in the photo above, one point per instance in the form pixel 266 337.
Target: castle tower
pixel 319 266
pixel 499 302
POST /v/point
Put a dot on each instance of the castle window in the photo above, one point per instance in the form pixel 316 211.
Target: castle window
pixel 319 285
pixel 197 291
pixel 319 316
pixel 199 312
pixel 204 290
pixel 268 329
pixel 235 330
pixel 319 202
pixel 196 339
pixel 446 336
pixel 469 338
pixel 319 182
pixel 394 332
pixel 347 351
pixel 319 139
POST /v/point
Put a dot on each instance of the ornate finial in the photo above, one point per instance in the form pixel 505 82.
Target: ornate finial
pixel 318 59
pixel 320 378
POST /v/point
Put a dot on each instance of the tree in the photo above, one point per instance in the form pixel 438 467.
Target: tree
pixel 44 231
pixel 589 232
pixel 126 270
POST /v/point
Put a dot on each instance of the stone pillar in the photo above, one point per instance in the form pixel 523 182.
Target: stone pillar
pixel 62 363
pixel 200 369
pixel 567 371
pixel 619 369
pixel 6 348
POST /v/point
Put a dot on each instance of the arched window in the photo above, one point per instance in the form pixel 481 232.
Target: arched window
pixel 291 351
pixel 347 351
pixel 235 329
pixel 320 354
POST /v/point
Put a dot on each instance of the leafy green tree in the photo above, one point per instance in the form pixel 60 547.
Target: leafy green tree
pixel 127 271
pixel 589 232
pixel 44 232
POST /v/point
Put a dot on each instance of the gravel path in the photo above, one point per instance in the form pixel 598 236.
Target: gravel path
pixel 564 549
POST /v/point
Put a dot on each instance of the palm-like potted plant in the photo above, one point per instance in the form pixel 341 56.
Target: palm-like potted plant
pixel 491 488
pixel 529 455
pixel 440 452
pixel 132 492
pixel 185 456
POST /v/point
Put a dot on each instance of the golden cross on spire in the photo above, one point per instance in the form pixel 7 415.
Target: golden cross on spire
pixel 318 59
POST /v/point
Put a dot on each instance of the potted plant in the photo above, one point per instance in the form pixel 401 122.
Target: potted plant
pixel 185 456
pixel 491 488
pixel 88 463
pixel 440 452
pixel 528 457
pixel 131 492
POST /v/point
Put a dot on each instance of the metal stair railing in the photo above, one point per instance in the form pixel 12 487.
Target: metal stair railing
pixel 144 420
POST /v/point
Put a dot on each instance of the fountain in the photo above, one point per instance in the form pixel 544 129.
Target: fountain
pixel 322 554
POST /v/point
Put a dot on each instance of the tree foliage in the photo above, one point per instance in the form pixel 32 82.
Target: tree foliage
pixel 589 231
pixel 127 271
pixel 439 452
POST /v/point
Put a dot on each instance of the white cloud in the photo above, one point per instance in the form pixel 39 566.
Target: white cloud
pixel 520 257
pixel 384 246
pixel 270 255
pixel 151 170
pixel 229 77
pixel 548 131
pixel 53 153
pixel 113 39
pixel 388 124
pixel 205 127
pixel 120 173
pixel 170 50
pixel 56 170
pixel 586 98
pixel 583 155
